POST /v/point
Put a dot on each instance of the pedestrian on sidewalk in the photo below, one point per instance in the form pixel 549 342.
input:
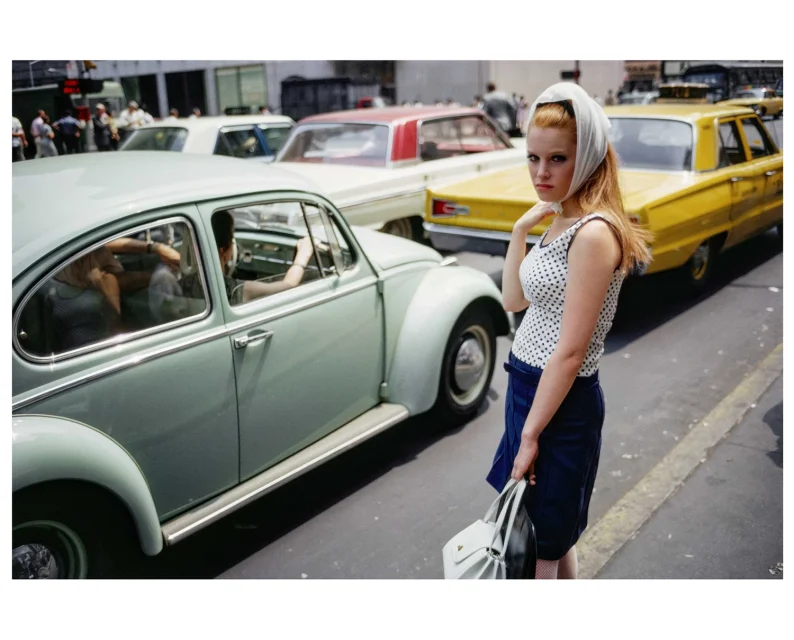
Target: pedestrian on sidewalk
pixel 569 284
pixel 35 131
pixel 69 127
pixel 47 148
pixel 102 133
pixel 19 141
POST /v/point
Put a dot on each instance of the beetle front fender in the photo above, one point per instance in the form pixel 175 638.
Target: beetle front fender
pixel 437 304
pixel 49 448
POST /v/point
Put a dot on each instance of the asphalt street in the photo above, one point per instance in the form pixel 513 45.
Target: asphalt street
pixel 726 519
pixel 385 509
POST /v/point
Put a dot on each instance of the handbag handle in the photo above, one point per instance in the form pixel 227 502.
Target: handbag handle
pixel 502 496
pixel 515 505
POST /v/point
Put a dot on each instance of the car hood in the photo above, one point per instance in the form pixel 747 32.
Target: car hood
pixel 513 186
pixel 386 251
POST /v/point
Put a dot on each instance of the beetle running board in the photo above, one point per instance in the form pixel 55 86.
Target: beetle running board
pixel 362 428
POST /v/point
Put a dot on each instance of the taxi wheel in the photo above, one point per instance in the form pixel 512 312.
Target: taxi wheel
pixel 696 273
pixel 467 368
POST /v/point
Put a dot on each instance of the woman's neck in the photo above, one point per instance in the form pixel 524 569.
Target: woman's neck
pixel 571 210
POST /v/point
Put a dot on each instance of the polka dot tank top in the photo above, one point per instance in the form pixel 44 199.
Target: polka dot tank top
pixel 543 274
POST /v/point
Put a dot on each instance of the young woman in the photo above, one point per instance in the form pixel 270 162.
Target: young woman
pixel 569 284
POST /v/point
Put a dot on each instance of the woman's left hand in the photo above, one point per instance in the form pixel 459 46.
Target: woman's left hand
pixel 525 460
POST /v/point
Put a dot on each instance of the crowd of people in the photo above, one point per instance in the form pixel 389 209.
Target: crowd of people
pixel 67 135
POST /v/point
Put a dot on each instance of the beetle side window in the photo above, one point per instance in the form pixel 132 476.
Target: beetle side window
pixel 757 140
pixel 114 291
pixel 325 232
pixel 731 151
pixel 267 248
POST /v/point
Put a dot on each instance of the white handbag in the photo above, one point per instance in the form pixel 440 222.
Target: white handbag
pixel 479 551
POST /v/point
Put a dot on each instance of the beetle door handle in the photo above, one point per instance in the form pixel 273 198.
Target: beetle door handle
pixel 770 173
pixel 252 339
pixel 737 179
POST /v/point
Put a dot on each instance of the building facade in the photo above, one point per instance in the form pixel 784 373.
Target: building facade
pixel 215 86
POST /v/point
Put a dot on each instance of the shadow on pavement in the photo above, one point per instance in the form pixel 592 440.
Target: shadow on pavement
pixel 774 420
pixel 230 541
pixel 648 302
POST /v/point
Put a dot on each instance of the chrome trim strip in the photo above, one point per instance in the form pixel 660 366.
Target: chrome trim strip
pixel 399 194
pixel 245 323
pixel 119 365
pixel 486 234
pixel 164 350
pixel 271 479
pixel 449 260
pixel 407 268
pixel 124 337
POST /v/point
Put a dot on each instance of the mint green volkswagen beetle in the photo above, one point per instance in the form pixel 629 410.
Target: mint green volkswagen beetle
pixel 190 333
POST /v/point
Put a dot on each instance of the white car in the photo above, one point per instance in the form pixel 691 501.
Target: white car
pixel 256 136
pixel 375 164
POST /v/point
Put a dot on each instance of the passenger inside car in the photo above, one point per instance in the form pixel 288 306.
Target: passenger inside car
pixel 243 291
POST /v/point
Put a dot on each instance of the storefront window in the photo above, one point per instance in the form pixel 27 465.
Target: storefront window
pixel 241 87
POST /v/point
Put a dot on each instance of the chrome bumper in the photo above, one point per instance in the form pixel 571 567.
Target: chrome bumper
pixel 449 238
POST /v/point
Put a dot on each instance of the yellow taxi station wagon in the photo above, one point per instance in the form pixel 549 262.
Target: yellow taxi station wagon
pixel 701 177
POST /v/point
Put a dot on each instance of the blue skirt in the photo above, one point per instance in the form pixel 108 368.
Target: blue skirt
pixel 567 462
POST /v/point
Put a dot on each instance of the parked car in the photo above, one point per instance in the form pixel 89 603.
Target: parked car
pixel 156 390
pixel 259 136
pixel 639 97
pixel 376 163
pixel 762 100
pixel 703 178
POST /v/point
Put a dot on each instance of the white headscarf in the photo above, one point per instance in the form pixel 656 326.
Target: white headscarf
pixel 592 131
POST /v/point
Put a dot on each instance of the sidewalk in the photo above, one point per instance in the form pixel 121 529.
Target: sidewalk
pixel 726 520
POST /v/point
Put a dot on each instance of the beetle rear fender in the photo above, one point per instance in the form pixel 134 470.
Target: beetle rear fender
pixel 49 448
pixel 440 299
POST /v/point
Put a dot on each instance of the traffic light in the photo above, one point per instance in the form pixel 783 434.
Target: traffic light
pixel 88 65
pixel 570 75
pixel 79 86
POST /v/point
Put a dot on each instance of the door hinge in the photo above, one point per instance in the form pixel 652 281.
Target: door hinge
pixel 380 286
pixel 384 391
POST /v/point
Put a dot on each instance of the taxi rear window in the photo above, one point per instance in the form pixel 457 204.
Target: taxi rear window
pixel 652 143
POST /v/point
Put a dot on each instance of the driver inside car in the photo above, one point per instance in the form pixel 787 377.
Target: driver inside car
pixel 242 291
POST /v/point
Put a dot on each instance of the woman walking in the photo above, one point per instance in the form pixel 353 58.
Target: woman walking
pixel 569 284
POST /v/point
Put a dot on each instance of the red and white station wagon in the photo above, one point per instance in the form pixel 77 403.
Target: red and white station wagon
pixel 375 164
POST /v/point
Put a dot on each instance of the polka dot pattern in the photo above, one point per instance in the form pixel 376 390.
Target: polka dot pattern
pixel 544 274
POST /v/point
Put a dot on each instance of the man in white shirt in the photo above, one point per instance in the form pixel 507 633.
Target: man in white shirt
pixel 35 131
pixel 18 140
pixel 131 118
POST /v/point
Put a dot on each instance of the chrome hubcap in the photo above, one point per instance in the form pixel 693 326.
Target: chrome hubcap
pixel 34 562
pixel 471 365
pixel 54 551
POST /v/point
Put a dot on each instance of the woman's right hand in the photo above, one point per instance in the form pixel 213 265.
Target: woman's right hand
pixel 534 216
